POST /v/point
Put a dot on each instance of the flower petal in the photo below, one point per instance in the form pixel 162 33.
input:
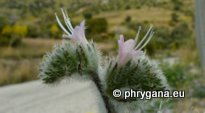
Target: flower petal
pixel 129 45
pixel 121 40
pixel 125 48
pixel 79 33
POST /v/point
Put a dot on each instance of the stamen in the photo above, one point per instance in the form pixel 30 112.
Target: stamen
pixel 137 36
pixel 67 21
pixel 149 38
pixel 66 14
pixel 61 26
pixel 148 32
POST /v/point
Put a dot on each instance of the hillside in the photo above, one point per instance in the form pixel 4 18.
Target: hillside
pixel 28 30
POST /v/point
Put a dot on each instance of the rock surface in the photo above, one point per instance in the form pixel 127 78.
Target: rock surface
pixel 64 97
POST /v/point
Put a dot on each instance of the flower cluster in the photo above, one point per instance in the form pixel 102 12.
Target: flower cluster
pixel 130 69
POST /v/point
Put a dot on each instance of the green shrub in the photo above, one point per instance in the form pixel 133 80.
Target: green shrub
pixel 3 22
pixel 175 75
pixel 5 35
pixel 20 30
pixel 55 31
pixel 127 7
pixel 34 31
pixel 180 34
pixel 128 19
pixel 87 15
pixel 177 5
pixel 15 41
pixel 97 26
pixel 11 35
pixel 7 31
pixel 174 18
pixel 199 91
pixel 4 41
pixel 16 30
pixel 10 41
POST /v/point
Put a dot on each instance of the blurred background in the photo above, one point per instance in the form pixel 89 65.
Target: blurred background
pixel 28 30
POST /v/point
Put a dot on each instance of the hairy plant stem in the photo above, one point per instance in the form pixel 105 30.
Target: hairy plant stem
pixel 108 105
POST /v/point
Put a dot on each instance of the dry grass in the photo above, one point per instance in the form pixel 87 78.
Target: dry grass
pixel 191 105
pixel 16 71
pixel 36 48
pixel 155 15
pixel 31 48
pixel 187 55
pixel 21 64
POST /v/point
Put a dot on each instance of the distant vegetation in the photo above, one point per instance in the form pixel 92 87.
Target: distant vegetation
pixel 35 18
pixel 28 29
pixel 105 20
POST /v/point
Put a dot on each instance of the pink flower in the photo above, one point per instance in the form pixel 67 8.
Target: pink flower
pixel 76 34
pixel 130 49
